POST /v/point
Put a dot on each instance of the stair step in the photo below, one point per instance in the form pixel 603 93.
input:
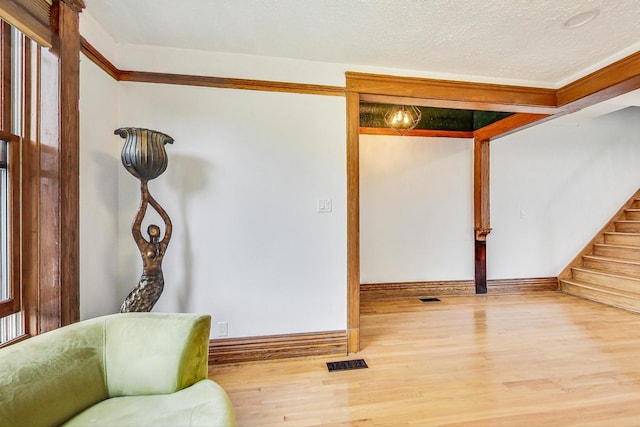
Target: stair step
pixel 602 294
pixel 616 238
pixel 635 204
pixel 612 265
pixel 626 226
pixel 617 251
pixel 632 214
pixel 600 278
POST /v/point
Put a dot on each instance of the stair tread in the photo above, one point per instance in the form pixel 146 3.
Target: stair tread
pixel 606 258
pixel 634 221
pixel 632 210
pixel 623 233
pixel 604 273
pixel 614 245
pixel 605 289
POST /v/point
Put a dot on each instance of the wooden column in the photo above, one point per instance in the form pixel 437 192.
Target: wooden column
pixel 60 169
pixel 481 211
pixel 353 222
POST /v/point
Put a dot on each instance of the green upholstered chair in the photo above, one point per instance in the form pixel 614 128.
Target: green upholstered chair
pixel 131 369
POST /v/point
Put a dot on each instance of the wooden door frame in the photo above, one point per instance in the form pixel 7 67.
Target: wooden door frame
pixel 532 105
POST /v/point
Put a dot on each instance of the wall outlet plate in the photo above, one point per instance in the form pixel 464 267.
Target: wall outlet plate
pixel 223 329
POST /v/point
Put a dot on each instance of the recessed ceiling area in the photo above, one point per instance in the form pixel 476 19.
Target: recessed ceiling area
pixel 511 42
pixel 445 119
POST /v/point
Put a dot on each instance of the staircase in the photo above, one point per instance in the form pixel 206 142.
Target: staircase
pixel 608 268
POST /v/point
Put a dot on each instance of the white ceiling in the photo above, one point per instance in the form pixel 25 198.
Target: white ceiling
pixel 494 40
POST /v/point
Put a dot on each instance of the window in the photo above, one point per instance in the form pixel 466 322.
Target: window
pixel 10 326
pixel 39 84
pixel 12 110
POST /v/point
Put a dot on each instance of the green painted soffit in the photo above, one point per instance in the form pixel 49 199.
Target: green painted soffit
pixel 372 115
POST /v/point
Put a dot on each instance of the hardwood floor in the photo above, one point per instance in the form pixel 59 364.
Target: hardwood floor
pixel 513 360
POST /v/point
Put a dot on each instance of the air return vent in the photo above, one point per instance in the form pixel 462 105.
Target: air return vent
pixel 429 300
pixel 347 365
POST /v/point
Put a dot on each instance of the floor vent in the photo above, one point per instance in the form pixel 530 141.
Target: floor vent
pixel 429 299
pixel 347 365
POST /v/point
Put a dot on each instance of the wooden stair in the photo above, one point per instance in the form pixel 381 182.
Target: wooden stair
pixel 607 270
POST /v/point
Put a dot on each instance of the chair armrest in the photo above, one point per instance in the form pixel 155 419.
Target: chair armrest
pixel 155 353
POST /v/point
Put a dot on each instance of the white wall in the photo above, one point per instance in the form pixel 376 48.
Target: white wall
pixel 568 178
pixel 247 170
pixel 416 209
pixel 553 186
pixel 245 175
pixel 99 162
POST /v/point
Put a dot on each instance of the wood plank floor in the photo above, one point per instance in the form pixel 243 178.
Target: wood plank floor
pixel 547 359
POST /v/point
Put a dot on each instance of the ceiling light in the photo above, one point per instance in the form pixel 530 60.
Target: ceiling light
pixel 403 118
pixel 581 18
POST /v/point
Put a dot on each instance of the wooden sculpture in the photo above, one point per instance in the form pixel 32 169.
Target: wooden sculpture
pixel 144 156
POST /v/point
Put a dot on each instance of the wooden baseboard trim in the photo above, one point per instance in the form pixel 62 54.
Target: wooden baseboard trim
pixel 234 350
pixel 370 291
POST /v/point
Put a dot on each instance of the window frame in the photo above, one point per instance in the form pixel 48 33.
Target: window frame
pixel 13 303
pixel 9 92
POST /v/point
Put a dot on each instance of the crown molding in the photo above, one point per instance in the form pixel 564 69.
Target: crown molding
pixel 76 5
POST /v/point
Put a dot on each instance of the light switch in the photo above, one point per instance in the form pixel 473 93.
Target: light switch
pixel 324 206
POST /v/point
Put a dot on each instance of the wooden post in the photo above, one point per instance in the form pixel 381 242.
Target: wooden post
pixel 65 23
pixel 481 211
pixel 353 222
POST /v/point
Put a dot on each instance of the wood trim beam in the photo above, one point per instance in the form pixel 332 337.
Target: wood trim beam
pixel 372 291
pixel 228 83
pixel 428 91
pixel 457 104
pixel 429 133
pixel 353 222
pixel 99 59
pixel 235 350
pixel 508 125
pixel 616 79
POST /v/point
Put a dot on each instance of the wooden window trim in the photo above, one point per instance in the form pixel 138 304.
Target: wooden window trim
pixel 32 17
pixel 13 304
pixel 49 150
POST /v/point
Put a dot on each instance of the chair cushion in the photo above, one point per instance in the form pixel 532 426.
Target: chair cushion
pixel 203 404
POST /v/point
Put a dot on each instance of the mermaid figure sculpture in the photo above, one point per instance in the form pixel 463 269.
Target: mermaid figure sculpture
pixel 144 156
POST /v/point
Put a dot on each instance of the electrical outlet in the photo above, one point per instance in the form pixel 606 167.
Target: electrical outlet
pixel 223 329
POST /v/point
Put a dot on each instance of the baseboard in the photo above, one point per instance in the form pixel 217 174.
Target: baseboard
pixel 247 349
pixel 234 350
pixel 371 291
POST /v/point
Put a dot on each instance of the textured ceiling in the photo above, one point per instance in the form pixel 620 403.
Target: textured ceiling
pixel 521 40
